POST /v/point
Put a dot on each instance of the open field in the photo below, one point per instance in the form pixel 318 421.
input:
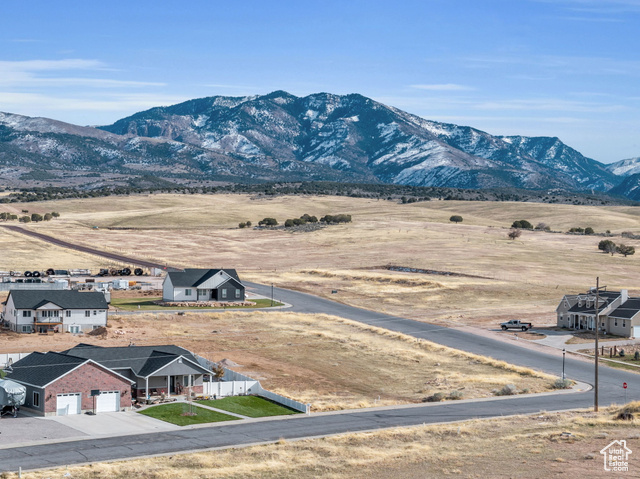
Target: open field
pixel 540 446
pixel 330 362
pixel 149 303
pixel 525 277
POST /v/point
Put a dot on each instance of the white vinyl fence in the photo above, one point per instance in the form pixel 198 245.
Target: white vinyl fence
pixel 7 359
pixel 234 384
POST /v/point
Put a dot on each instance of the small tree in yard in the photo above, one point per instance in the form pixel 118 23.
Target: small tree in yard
pixel 218 371
pixel 456 219
pixel 514 233
pixel 607 246
pixel 625 250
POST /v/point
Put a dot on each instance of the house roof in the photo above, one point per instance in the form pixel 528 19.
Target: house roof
pixel 39 369
pixel 191 278
pixel 626 310
pixel 606 298
pixel 142 360
pixel 66 299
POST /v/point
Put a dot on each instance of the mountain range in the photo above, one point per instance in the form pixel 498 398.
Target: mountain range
pixel 282 137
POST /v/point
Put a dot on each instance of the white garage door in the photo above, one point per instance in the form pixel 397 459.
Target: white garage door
pixel 68 404
pixel 108 401
pixel 635 332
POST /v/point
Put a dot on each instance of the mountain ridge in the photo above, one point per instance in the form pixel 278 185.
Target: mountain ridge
pixel 282 137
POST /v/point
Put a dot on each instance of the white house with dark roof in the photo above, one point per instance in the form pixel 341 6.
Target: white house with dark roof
pixel 618 313
pixel 27 311
pixel 200 285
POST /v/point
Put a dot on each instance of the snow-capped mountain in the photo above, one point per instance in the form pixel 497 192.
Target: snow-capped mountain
pixel 627 167
pixel 282 137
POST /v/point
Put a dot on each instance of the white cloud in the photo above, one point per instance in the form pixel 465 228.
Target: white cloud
pixel 443 87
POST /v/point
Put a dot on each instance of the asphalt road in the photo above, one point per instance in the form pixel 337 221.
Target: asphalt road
pixel 296 427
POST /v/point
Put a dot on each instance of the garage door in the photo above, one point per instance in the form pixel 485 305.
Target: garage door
pixel 68 404
pixel 108 401
pixel 635 332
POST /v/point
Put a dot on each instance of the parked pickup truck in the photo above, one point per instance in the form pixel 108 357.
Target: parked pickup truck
pixel 517 324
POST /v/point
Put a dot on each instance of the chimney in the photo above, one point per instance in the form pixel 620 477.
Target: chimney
pixel 624 295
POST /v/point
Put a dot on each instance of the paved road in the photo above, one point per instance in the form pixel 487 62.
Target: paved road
pixel 348 421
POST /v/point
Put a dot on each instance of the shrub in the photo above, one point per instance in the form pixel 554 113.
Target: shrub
pixel 55 214
pixel 507 390
pixel 522 224
pixel 576 229
pixel 248 223
pixel 607 246
pixel 25 219
pixel 621 353
pixel 341 218
pixel 636 356
pixel 514 233
pixel 36 217
pixel 242 225
pixel 455 395
pixel 589 230
pixel 561 384
pixel 625 250
pixel 437 397
pixel 456 219
pixel 268 222
pixel 288 223
pixel 543 227
pixel 47 217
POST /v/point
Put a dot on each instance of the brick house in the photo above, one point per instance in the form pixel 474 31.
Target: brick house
pixel 58 384
pixel 618 313
pixel 199 285
pixel 28 311
pixel 89 377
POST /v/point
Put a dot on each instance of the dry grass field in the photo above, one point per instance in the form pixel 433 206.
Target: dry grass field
pixel 330 362
pixel 525 277
pixel 546 445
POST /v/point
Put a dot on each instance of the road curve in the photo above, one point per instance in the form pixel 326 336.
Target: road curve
pixel 297 427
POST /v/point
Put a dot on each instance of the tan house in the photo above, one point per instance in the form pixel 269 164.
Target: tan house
pixel 618 313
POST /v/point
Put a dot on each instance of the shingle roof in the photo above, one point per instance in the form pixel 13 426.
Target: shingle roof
pixel 66 299
pixel 627 310
pixel 606 298
pixel 142 360
pixel 193 277
pixel 39 369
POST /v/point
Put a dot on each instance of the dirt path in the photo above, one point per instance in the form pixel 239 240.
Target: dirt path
pixel 86 249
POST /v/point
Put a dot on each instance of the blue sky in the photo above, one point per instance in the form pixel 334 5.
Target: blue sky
pixel 566 68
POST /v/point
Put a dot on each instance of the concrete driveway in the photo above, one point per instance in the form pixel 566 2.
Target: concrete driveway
pixel 111 423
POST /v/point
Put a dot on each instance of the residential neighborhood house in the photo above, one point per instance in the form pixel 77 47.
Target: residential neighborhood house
pixel 87 378
pixel 618 313
pixel 28 311
pixel 200 285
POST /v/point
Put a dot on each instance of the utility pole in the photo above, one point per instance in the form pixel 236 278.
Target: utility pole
pixel 595 399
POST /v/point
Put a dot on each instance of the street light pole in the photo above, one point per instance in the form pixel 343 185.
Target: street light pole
pixel 595 399
pixel 563 353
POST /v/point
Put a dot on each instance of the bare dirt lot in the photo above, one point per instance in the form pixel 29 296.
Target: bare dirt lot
pixel 545 445
pixel 329 362
pixel 527 276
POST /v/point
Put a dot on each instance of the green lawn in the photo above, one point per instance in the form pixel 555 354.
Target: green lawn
pixel 173 413
pixel 250 406
pixel 147 303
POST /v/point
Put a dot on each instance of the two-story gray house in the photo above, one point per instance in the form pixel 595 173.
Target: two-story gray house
pixel 28 311
pixel 200 285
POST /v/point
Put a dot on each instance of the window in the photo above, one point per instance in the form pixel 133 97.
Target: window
pixel 67 313
pixel 74 329
pixel 87 314
pixel 26 314
pixel 615 323
pixel 185 381
pixel 26 328
pixel 624 323
pixel 187 292
pixel 237 294
pixel 95 312
pixel 224 294
pixel 36 399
